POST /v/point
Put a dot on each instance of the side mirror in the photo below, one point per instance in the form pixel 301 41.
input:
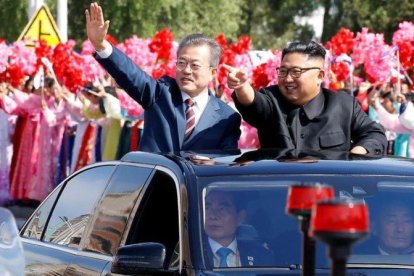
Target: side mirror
pixel 139 258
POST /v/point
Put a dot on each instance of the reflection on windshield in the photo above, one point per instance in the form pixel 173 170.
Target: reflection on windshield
pixel 245 223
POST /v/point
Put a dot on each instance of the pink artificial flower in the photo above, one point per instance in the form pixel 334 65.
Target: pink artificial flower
pixel 137 50
pixel 5 53
pixel 24 57
pixel 128 104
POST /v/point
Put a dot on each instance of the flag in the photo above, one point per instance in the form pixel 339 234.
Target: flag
pixel 38 80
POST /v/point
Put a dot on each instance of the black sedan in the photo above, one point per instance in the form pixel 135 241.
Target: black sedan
pixel 155 214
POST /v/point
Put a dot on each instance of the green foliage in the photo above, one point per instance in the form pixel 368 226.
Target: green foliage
pixel 13 19
pixel 379 16
pixel 145 17
pixel 209 17
pixel 270 23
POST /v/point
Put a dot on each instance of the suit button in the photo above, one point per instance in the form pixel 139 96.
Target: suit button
pixel 302 135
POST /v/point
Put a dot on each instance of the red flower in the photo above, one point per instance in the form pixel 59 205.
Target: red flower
pixel 406 49
pixel 342 42
pixel 163 69
pixel 341 71
pixel 260 78
pixel 43 50
pixel 222 41
pixel 111 39
pixel 242 46
pixel 162 43
pixel 67 66
pixel 13 75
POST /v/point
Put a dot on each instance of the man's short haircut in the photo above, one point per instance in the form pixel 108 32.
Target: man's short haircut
pixel 198 39
pixel 235 198
pixel 385 204
pixel 312 49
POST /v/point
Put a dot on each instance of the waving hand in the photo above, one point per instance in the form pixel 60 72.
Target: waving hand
pixel 96 26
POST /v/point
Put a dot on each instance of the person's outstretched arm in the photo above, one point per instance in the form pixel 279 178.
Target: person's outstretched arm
pixel 137 83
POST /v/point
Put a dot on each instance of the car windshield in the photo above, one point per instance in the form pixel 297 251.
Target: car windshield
pixel 248 217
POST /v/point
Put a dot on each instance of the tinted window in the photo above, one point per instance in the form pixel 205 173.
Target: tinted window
pixel 76 205
pixel 252 212
pixel 157 216
pixel 35 226
pixel 115 208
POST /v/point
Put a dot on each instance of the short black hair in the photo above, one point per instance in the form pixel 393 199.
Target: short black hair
pixel 90 86
pixel 49 82
pixel 235 197
pixel 387 95
pixel 312 49
pixel 409 97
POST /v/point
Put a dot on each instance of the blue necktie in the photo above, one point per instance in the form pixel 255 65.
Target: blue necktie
pixel 223 252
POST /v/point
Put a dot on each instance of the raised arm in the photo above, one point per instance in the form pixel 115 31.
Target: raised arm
pixel 96 26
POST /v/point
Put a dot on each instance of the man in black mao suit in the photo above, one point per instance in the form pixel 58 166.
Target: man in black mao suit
pixel 298 113
pixel 213 124
pixel 223 216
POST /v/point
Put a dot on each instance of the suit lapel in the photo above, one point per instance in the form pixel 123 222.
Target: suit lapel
pixel 209 118
pixel 245 260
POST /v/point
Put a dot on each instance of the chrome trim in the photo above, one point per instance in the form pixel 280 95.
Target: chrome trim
pixel 68 250
pixel 372 266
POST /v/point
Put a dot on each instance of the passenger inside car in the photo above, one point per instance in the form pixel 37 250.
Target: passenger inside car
pixel 224 214
pixel 393 227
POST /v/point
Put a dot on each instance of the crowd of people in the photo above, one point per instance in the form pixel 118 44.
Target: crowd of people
pixel 48 131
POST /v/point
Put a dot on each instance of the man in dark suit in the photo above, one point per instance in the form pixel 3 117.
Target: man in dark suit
pixel 180 113
pixel 393 228
pixel 223 216
pixel 298 113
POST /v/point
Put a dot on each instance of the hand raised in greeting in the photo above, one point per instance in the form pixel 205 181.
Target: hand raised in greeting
pixel 96 26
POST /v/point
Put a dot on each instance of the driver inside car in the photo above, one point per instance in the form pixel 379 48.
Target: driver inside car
pixel 224 213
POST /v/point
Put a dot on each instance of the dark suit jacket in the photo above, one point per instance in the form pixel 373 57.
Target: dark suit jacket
pixel 252 253
pixel 332 121
pixel 219 125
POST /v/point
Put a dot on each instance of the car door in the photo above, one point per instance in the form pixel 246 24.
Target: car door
pixel 106 227
pixel 157 218
pixel 52 235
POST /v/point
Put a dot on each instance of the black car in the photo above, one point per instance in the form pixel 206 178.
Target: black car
pixel 145 214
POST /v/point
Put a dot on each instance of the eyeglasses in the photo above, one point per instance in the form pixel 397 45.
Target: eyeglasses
pixel 181 65
pixel 295 72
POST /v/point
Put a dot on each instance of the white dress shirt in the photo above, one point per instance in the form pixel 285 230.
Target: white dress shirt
pixel 233 259
pixel 200 103
pixel 105 52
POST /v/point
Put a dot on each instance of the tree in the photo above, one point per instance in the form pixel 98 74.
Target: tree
pixel 143 18
pixel 209 17
pixel 380 16
pixel 272 24
pixel 13 19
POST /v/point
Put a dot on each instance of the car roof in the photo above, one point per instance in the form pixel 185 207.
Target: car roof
pixel 278 161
